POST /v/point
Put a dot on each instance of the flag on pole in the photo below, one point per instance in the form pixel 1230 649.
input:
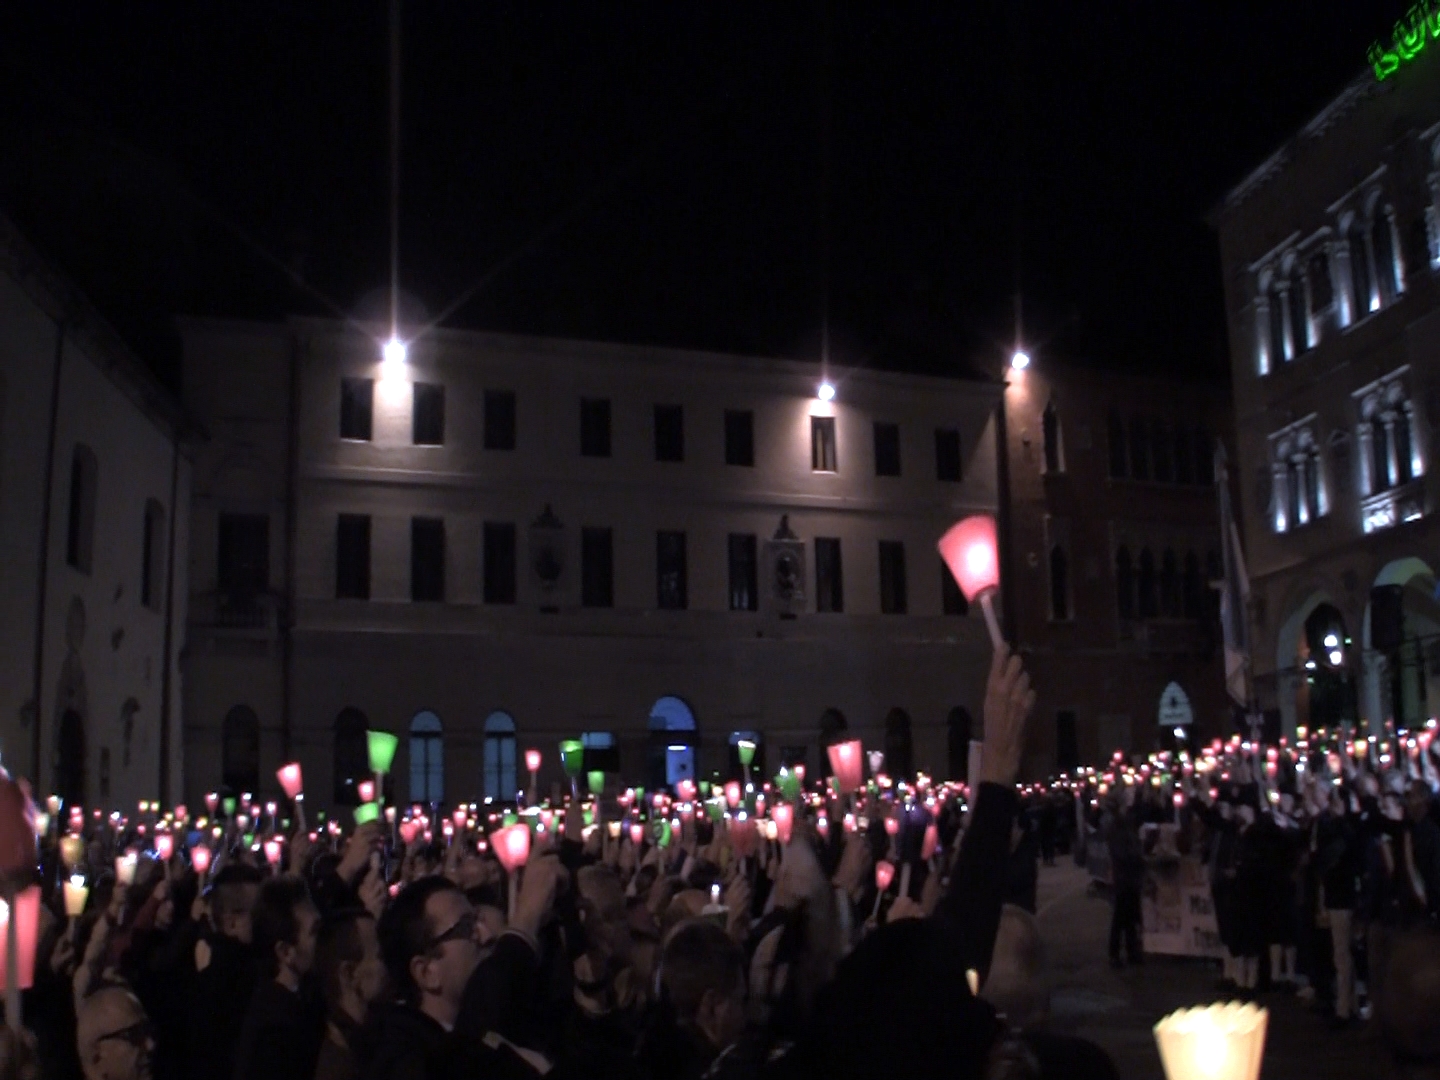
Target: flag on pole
pixel 1234 590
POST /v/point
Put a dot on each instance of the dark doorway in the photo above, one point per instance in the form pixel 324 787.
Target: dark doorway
pixel 899 756
pixel 70 759
pixel 958 732
pixel 1067 742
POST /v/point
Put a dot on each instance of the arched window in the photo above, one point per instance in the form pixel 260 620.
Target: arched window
pixel 84 483
pixel 958 733
pixel 1050 428
pixel 427 759
pixel 351 755
pixel 1194 587
pixel 1160 445
pixel 1365 300
pixel 1299 313
pixel 152 557
pixel 833 729
pixel 500 783
pixel 240 750
pixel 1119 452
pixel 1148 605
pixel 899 750
pixel 1388 275
pixel 1139 449
pixel 1184 457
pixel 1170 601
pixel 1124 584
pixel 1059 584
pixel 672 743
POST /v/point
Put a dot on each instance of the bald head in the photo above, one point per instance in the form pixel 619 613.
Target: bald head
pixel 112 1034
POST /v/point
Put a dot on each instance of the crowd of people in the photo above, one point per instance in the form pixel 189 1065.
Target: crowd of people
pixel 873 932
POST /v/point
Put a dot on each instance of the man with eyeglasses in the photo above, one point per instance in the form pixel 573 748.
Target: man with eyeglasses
pixel 114 1037
pixel 430 942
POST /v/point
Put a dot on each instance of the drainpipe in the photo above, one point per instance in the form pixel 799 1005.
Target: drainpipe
pixel 286 612
pixel 169 645
pixel 38 686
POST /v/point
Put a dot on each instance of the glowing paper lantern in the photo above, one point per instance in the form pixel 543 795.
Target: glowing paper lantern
pixel 732 794
pixel 200 859
pixel 788 784
pixel 745 750
pixel 366 790
pixel 884 874
pixel 26 911
pixel 892 827
pixel 846 763
pixel 76 893
pixel 822 826
pixel 212 802
pixel 72 851
pixel 17 826
pixel 572 757
pixel 272 852
pixel 685 789
pixel 971 549
pixel 637 833
pixel 164 846
pixel 595 778
pixel 381 746
pixel 930 842
pixel 366 812
pixel 291 780
pixel 125 868
pixel 1213 1042
pixel 783 816
pixel 512 846
pixel 532 760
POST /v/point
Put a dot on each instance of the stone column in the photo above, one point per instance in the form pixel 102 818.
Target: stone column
pixel 1397 255
pixel 1365 441
pixel 1432 221
pixel 1287 331
pixel 1342 282
pixel 1312 333
pixel 1302 490
pixel 1372 302
pixel 1281 489
pixel 1417 444
pixel 1392 461
pixel 1262 334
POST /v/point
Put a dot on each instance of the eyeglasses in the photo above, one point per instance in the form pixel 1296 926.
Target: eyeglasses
pixel 138 1035
pixel 463 930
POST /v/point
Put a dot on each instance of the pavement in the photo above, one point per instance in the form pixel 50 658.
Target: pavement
pixel 1118 1009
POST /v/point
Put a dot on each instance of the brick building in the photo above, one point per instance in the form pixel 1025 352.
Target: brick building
pixel 1330 252
pixel 1113 542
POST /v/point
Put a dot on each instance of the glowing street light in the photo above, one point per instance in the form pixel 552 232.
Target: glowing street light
pixel 1020 361
pixel 394 354
pixel 826 392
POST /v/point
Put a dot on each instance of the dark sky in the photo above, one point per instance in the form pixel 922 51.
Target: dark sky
pixel 673 172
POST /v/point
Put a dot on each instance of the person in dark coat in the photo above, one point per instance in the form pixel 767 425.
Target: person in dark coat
pixel 280 1038
pixel 1336 856
pixel 221 974
pixel 1127 870
pixel 352 977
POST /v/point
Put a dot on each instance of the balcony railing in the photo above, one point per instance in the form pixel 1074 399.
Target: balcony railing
pixel 1405 502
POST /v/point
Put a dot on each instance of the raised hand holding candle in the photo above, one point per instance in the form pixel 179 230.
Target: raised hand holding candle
pixel 76 893
pixel 971 550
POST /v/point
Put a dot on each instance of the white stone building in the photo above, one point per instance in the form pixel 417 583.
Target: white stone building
pixel 506 541
pixel 94 501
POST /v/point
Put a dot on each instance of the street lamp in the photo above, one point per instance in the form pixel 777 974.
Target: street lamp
pixel 826 392
pixel 1020 361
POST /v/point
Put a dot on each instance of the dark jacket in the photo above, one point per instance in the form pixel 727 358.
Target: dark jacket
pixel 214 1005
pixel 337 1060
pixel 1337 860
pixel 280 1038
pixel 401 1043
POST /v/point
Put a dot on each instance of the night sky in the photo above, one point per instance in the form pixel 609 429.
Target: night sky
pixel 714 175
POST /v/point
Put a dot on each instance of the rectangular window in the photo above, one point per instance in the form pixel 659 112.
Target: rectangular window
pixel 427 560
pixel 352 557
pixel 744 590
pixel 822 444
pixel 887 449
pixel 670 576
pixel 597 568
pixel 952 600
pixel 499 419
pixel 740 437
pixel 427 420
pixel 357 408
pixel 829 582
pixel 595 427
pixel 947 454
pixel 669 433
pixel 893 599
pixel 243 555
pixel 499 559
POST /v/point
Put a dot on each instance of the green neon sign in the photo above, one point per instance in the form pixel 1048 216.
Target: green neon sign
pixel 1420 24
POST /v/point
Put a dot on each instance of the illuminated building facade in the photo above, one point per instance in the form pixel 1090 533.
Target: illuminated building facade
pixel 499 542
pixel 1330 253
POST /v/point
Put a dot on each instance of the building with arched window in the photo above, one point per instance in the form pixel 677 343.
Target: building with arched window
pixel 1109 605
pixel 542 539
pixel 1330 257
pixel 94 504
